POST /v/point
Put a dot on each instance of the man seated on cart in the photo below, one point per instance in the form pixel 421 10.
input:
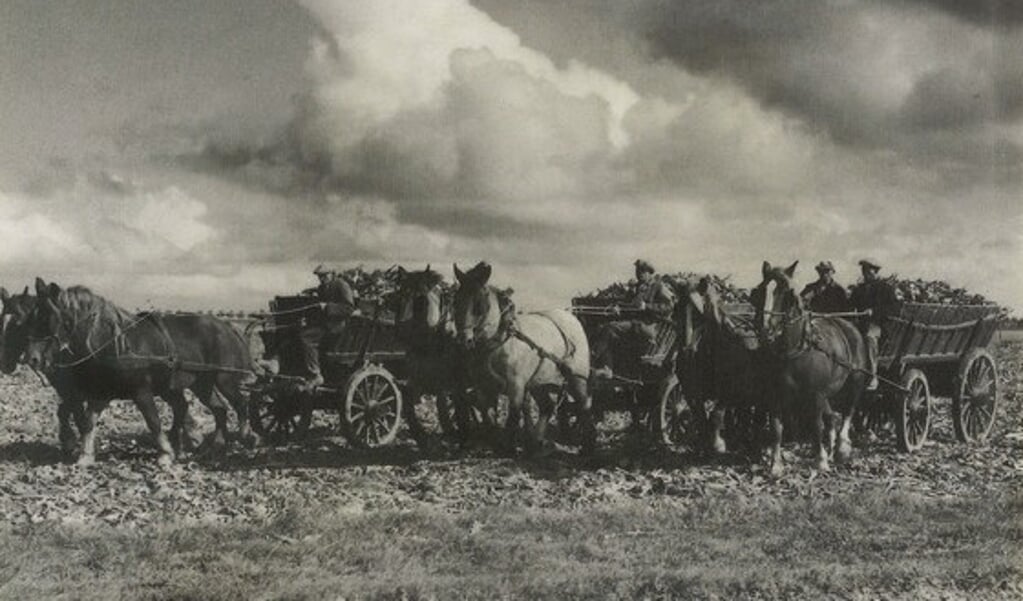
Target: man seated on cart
pixel 337 303
pixel 878 296
pixel 650 306
pixel 825 295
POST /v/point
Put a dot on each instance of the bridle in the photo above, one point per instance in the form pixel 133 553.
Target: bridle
pixel 779 335
pixel 485 321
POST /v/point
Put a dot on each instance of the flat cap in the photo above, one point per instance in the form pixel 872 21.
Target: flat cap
pixel 825 266
pixel 871 263
pixel 642 265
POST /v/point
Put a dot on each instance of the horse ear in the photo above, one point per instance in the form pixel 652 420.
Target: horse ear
pixel 40 287
pixel 766 269
pixel 25 292
pixel 485 272
pixel 791 271
pixel 458 274
pixel 428 266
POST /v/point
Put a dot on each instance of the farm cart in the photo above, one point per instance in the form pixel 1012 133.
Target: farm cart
pixel 643 376
pixel 361 369
pixel 940 350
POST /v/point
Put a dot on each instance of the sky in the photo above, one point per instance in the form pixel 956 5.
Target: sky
pixel 208 154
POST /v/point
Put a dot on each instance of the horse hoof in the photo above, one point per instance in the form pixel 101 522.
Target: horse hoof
pixel 720 448
pixel 85 461
pixel 165 460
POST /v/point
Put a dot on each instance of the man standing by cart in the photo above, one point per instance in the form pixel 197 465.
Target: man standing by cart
pixel 337 303
pixel 825 295
pixel 651 304
pixel 878 296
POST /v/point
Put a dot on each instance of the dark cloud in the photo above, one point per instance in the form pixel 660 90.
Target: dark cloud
pixel 993 13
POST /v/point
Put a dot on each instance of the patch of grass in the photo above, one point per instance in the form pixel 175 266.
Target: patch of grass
pixel 875 544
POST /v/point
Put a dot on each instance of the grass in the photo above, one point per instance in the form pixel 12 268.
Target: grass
pixel 877 544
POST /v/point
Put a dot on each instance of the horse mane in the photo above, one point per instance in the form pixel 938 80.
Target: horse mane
pixel 80 302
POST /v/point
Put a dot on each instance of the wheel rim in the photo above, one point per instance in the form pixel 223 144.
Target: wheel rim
pixel 916 412
pixel 280 420
pixel 979 392
pixel 676 417
pixel 373 410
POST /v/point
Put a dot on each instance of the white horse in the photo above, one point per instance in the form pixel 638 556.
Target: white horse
pixel 536 353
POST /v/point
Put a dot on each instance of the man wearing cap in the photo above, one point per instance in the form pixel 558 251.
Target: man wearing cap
pixel 825 295
pixel 878 296
pixel 651 304
pixel 338 302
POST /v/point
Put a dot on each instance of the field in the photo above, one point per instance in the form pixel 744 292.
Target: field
pixel 320 520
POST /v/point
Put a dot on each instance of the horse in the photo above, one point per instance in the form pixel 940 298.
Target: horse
pixel 717 361
pixel 819 362
pixel 104 353
pixel 435 361
pixel 16 314
pixel 540 354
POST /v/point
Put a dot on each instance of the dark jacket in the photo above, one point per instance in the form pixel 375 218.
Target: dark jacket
pixel 658 299
pixel 879 297
pixel 825 298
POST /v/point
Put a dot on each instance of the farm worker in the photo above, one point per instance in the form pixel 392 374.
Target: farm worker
pixel 878 296
pixel 651 304
pixel 825 295
pixel 337 301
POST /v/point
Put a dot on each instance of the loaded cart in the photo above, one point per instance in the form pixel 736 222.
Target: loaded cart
pixel 940 350
pixel 643 376
pixel 362 373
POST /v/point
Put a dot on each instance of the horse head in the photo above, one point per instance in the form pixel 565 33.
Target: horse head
pixel 775 301
pixel 422 302
pixel 477 307
pixel 14 321
pixel 45 331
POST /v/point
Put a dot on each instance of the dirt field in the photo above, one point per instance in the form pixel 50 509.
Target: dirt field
pixel 320 520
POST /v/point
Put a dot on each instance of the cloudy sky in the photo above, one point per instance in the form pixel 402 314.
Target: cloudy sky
pixel 209 153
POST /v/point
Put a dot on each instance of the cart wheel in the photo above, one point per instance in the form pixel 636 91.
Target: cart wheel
pixel 372 407
pixel 279 420
pixel 675 420
pixel 913 419
pixel 976 397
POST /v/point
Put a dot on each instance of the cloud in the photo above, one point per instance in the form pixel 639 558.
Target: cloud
pixel 101 220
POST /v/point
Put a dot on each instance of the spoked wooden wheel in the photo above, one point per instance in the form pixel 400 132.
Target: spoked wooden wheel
pixel 913 418
pixel 675 420
pixel 372 407
pixel 279 420
pixel 976 397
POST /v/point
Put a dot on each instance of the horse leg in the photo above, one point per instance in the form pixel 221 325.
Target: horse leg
pixel 87 427
pixel 229 386
pixel 146 405
pixel 415 427
pixel 179 409
pixel 576 387
pixel 778 428
pixel 204 389
pixel 717 418
pixel 513 425
pixel 821 413
pixel 68 436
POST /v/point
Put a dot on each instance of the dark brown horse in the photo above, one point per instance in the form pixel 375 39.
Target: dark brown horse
pixel 106 353
pixel 816 363
pixel 538 354
pixel 718 360
pixel 436 362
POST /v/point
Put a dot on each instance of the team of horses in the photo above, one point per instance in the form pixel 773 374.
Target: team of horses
pixel 467 346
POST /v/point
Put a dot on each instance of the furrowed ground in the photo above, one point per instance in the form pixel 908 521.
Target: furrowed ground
pixel 320 520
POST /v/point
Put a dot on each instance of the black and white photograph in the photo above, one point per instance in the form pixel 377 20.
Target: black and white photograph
pixel 511 299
